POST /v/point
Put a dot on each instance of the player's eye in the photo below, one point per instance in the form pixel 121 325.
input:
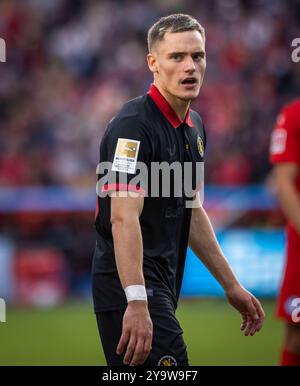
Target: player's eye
pixel 199 56
pixel 177 57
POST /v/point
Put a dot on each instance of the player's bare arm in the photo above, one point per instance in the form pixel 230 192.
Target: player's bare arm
pixel 203 242
pixel 285 181
pixel 128 245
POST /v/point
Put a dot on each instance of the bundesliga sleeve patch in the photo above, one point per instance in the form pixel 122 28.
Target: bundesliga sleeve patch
pixel 125 157
pixel 278 141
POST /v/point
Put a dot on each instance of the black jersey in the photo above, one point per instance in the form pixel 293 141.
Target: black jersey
pixel 146 130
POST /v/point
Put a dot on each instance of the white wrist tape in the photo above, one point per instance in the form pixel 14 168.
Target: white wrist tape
pixel 135 292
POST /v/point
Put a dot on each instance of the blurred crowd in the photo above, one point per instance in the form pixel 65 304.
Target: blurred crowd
pixel 72 63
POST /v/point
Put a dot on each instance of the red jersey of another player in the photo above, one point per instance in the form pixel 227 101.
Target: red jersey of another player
pixel 285 148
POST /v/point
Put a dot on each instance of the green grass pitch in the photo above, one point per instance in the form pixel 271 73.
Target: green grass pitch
pixel 67 335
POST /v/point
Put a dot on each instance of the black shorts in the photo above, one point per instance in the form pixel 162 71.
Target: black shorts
pixel 168 347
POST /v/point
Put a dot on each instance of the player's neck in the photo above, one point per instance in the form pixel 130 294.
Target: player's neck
pixel 178 105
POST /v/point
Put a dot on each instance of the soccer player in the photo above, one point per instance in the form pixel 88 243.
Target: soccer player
pixel 285 155
pixel 142 239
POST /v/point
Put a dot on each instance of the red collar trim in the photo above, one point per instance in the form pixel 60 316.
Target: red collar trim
pixel 166 109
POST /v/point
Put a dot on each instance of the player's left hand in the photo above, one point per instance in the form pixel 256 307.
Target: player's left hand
pixel 249 307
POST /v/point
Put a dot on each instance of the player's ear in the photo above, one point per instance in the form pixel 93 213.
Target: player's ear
pixel 152 63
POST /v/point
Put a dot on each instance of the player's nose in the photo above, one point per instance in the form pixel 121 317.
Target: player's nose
pixel 189 64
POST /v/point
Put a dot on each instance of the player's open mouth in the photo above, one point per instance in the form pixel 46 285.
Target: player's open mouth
pixel 189 81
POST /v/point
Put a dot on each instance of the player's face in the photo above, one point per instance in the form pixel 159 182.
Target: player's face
pixel 178 63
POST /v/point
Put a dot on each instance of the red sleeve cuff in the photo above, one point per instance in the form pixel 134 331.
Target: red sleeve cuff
pixel 123 187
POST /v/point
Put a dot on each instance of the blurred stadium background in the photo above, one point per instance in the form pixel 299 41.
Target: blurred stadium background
pixel 70 65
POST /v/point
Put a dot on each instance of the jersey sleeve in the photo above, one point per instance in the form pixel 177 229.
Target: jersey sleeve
pixel 285 138
pixel 125 155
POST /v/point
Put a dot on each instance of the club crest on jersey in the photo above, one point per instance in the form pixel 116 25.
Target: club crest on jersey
pixel 200 146
pixel 167 360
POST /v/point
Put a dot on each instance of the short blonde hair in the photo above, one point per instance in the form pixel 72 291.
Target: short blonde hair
pixel 178 22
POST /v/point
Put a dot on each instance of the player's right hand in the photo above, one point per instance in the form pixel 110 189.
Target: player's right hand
pixel 137 333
